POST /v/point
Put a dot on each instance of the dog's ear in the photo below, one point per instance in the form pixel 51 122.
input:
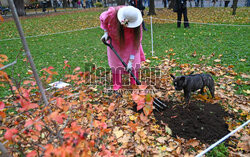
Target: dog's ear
pixel 172 76
pixel 184 80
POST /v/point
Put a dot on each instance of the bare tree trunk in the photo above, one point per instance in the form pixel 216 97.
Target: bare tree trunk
pixel 120 2
pixel 165 3
pixel 20 7
pixel 105 3
pixel 151 7
pixel 234 6
pixel 4 151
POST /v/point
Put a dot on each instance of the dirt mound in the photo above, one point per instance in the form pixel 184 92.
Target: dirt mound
pixel 203 121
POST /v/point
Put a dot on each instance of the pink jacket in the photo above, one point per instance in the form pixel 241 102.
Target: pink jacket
pixel 109 23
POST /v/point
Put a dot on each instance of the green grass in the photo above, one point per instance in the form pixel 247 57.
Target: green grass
pixel 219 151
pixel 84 46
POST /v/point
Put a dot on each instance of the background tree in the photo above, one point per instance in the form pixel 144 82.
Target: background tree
pixel 165 3
pixel 171 4
pixel 105 3
pixel 65 4
pixel 235 2
pixel 151 7
pixel 120 2
pixel 20 7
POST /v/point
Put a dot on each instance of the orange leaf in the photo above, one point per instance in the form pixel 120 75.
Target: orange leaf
pixel 133 126
pixel 142 87
pixel 49 149
pixel 111 107
pixel 148 109
pixel 3 58
pixel 1 18
pixel 2 114
pixel 193 142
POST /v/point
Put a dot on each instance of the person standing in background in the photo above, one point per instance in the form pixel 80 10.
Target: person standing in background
pixel 181 8
pixel 226 3
pixel 138 4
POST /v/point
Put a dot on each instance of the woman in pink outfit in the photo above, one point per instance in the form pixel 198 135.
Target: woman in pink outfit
pixel 123 25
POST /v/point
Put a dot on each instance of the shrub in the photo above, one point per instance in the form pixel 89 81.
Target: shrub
pixel 98 4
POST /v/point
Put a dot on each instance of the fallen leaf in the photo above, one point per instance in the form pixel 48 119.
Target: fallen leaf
pixel 217 60
pixel 1 105
pixel 118 133
pixel 111 107
pixel 193 142
pixel 161 139
pixel 144 118
pixel 245 76
pixel 168 130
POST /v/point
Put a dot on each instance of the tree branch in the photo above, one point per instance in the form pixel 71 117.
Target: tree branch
pixel 4 151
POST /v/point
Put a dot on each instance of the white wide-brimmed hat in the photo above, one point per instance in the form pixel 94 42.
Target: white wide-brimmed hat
pixel 129 16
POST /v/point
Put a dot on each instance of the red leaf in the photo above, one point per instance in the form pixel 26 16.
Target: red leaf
pixel 139 100
pixel 38 125
pixel 57 117
pixel 28 123
pixel 144 118
pixel 1 105
pixel 49 149
pixel 76 69
pixel 10 133
pixel 50 68
pixel 27 105
pixel 59 102
pixel 33 153
pixel 75 127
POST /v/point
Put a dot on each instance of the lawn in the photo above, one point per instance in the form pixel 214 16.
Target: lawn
pixel 88 121
pixel 78 46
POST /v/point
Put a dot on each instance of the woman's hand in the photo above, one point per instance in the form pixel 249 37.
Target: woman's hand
pixel 105 36
pixel 130 63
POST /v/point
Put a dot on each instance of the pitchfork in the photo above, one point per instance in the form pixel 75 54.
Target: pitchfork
pixel 157 103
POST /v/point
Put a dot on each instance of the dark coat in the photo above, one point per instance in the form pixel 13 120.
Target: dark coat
pixel 139 4
pixel 179 5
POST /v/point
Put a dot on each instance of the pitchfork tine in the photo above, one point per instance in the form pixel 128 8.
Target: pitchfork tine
pixel 161 102
pixel 157 105
pixel 156 109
